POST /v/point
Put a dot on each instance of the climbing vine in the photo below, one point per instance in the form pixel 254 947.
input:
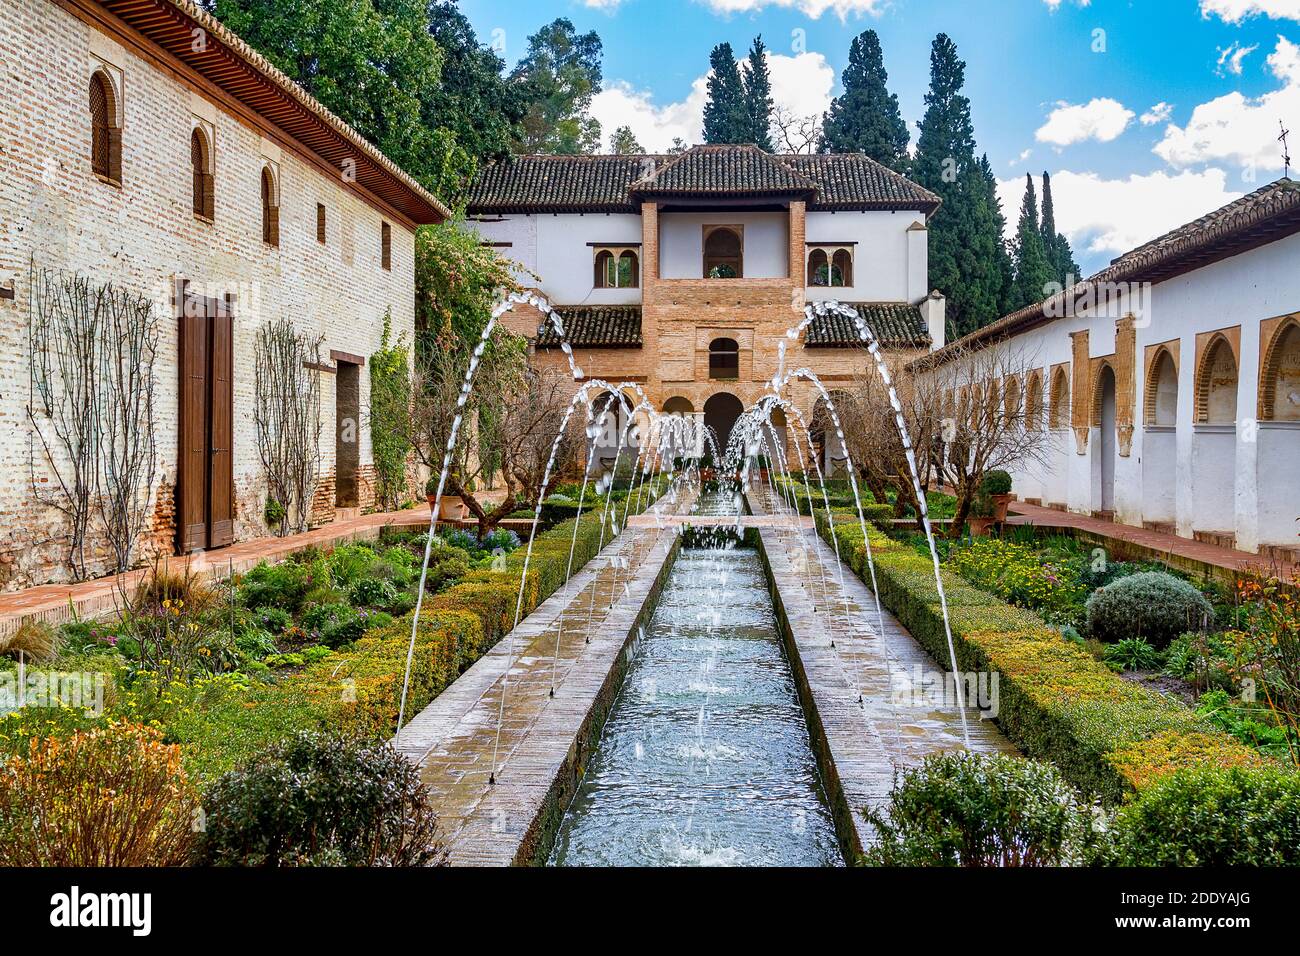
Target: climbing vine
pixel 390 399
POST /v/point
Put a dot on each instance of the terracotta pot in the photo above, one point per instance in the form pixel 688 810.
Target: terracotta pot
pixel 452 508
pixel 1000 505
pixel 979 527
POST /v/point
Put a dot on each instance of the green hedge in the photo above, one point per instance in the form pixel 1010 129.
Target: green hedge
pixel 1109 736
pixel 360 689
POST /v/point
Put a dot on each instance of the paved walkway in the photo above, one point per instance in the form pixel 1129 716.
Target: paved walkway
pixel 879 700
pixel 544 740
pixel 1186 553
pixel 59 602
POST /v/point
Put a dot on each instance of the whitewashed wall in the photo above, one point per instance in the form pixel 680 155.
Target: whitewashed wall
pixel 890 261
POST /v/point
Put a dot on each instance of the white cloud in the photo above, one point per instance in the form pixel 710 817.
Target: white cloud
pixel 1106 217
pixel 1054 4
pixel 610 5
pixel 1100 119
pixel 800 83
pixel 811 8
pixel 1235 11
pixel 1159 113
pixel 1231 57
pixel 1021 158
pixel 1236 128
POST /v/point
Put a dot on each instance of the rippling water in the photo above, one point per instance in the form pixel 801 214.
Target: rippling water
pixel 705 759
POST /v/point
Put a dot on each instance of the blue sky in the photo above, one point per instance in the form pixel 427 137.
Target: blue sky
pixel 1147 113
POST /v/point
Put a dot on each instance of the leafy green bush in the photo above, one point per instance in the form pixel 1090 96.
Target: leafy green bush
pixel 996 482
pixel 372 592
pixel 1020 575
pixel 321 800
pixel 273 620
pixel 1152 605
pixel 1213 817
pixel 1131 654
pixel 1206 660
pixel 280 586
pixel 966 809
pixel 1252 725
pixel 1107 735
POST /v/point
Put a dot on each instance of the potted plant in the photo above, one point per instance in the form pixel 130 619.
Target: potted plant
pixel 981 515
pixel 997 485
pixel 452 507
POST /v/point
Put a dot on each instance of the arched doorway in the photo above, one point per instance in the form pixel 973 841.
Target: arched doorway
pixel 677 444
pixel 720 414
pixel 1160 442
pixel 1105 419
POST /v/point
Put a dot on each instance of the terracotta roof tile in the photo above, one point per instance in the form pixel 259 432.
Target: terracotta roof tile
pixel 723 170
pixel 895 324
pixel 595 326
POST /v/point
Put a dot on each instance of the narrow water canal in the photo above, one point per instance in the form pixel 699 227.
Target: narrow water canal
pixel 705 759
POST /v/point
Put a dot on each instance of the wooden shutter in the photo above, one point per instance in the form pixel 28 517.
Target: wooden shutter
pixel 320 222
pixel 191 480
pixel 386 245
pixel 275 226
pixel 221 480
pixel 209 203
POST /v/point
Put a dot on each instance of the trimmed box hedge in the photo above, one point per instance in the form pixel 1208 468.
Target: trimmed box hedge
pixel 1110 737
pixel 360 689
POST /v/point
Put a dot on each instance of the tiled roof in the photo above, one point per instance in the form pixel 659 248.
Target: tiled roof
pixel 723 170
pixel 1269 213
pixel 542 184
pixel 854 181
pixel 558 184
pixel 595 327
pixel 895 325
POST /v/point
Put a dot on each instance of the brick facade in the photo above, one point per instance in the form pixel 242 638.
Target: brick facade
pixel 144 235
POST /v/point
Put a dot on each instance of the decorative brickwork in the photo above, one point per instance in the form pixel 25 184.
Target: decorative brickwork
pixel 1080 412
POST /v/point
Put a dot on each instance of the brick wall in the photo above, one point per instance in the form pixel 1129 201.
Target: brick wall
pixel 144 234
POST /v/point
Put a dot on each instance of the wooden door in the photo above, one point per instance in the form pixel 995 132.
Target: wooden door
pixel 205 472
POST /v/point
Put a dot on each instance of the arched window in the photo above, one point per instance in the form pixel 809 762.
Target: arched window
pixel 1060 414
pixel 842 268
pixel 818 268
pixel 105 136
pixel 993 405
pixel 270 209
pixel 201 168
pixel 1280 394
pixel 1161 399
pixel 678 406
pixel 724 359
pixel 723 252
pixel 1034 402
pixel 616 269
pixel 1216 386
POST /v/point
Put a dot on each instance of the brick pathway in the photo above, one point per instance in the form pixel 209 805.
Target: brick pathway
pixel 1185 553
pixel 59 602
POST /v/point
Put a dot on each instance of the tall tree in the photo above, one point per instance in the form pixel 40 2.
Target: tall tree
pixel 865 118
pixel 945 163
pixel 726 119
pixel 1033 271
pixel 366 62
pixel 473 100
pixel 1060 256
pixel 623 142
pixel 560 74
pixel 757 83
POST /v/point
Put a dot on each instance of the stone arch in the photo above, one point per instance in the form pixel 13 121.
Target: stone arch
pixel 720 413
pixel 1279 392
pixel 1098 376
pixel 270 207
pixel 724 250
pixel 1216 383
pixel 1011 399
pixel 724 359
pixel 105 133
pixel 201 171
pixel 1160 396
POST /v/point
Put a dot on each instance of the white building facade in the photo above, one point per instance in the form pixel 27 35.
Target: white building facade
pixel 1169 383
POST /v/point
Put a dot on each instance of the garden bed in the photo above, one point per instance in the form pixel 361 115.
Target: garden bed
pixel 1109 736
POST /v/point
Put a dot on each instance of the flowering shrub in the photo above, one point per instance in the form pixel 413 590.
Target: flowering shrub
pixel 1017 574
pixel 108 796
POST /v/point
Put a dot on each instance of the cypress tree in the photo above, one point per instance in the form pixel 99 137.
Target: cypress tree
pixel 757 84
pixel 865 118
pixel 964 233
pixel 1059 254
pixel 725 117
pixel 1033 270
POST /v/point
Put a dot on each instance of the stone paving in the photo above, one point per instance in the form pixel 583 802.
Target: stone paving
pixel 876 702
pixel 544 740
